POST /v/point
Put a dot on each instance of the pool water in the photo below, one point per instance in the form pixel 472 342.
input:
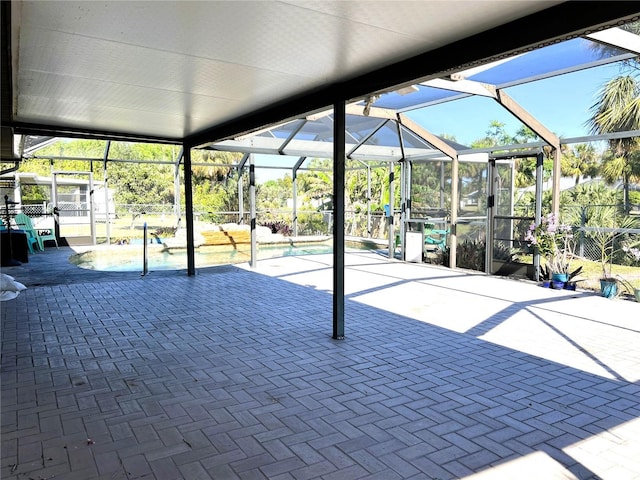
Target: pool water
pixel 128 258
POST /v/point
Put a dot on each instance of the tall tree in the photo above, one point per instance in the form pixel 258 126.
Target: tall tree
pixel 580 161
pixel 617 109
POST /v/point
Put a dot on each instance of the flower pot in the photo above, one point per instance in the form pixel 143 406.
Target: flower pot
pixel 557 285
pixel 608 288
pixel 546 284
pixel 636 293
pixel 570 286
pixel 560 277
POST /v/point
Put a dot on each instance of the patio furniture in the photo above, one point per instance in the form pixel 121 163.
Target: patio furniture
pixel 435 236
pixel 24 222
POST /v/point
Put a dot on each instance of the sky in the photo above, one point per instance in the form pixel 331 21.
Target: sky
pixel 561 103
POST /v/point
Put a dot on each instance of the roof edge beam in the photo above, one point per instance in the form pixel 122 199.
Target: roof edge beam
pixel 69 132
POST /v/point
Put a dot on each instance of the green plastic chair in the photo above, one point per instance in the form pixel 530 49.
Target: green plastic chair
pixel 31 238
pixel 434 236
pixel 25 223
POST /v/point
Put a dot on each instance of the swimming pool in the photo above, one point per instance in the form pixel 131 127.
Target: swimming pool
pixel 128 258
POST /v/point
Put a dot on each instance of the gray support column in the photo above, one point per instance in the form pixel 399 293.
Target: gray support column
pixel 369 232
pixel 54 201
pixel 294 186
pixel 491 202
pixel 177 211
pixel 105 185
pixel 390 230
pixel 240 198
pixel 557 174
pixel 240 167
pixel 403 211
pixel 408 165
pixel 188 201
pixel 17 191
pixel 455 202
pixel 538 207
pixel 294 192
pixel 92 208
pixel 407 195
pixel 339 153
pixel 252 209
pixel 442 184
pixel 403 191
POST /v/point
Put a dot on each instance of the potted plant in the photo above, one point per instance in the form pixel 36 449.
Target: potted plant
pixel 572 283
pixel 553 242
pixel 606 239
pixel 608 283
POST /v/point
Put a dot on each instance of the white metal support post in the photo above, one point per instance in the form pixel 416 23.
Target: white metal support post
pixel 105 185
pixel 294 186
pixel 252 209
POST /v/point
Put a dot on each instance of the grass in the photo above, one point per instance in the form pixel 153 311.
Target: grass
pixel 592 273
pixel 589 277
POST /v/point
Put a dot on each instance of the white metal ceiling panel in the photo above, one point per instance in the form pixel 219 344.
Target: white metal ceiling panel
pixel 173 68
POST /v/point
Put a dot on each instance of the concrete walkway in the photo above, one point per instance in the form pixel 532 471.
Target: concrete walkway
pixel 232 374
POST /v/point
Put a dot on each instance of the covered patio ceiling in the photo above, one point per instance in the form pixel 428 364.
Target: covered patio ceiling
pixel 155 71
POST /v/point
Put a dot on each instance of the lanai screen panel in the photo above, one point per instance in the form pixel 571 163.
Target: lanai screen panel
pixel 568 56
pixel 423 96
pixel 430 189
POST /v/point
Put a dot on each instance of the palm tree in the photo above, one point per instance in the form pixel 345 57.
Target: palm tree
pixel 579 161
pixel 617 109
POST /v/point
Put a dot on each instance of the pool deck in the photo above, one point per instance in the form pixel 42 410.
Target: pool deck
pixel 233 374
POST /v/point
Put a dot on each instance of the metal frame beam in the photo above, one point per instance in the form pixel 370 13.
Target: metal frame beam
pixel 294 132
pixel 339 159
pixel 105 179
pixel 23 128
pixel 294 187
pixel 188 205
pixel 240 168
pixel 253 216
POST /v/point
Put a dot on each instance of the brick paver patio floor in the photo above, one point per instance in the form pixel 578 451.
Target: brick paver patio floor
pixel 233 374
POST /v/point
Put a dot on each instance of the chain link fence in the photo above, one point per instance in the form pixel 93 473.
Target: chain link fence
pixel 605 229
